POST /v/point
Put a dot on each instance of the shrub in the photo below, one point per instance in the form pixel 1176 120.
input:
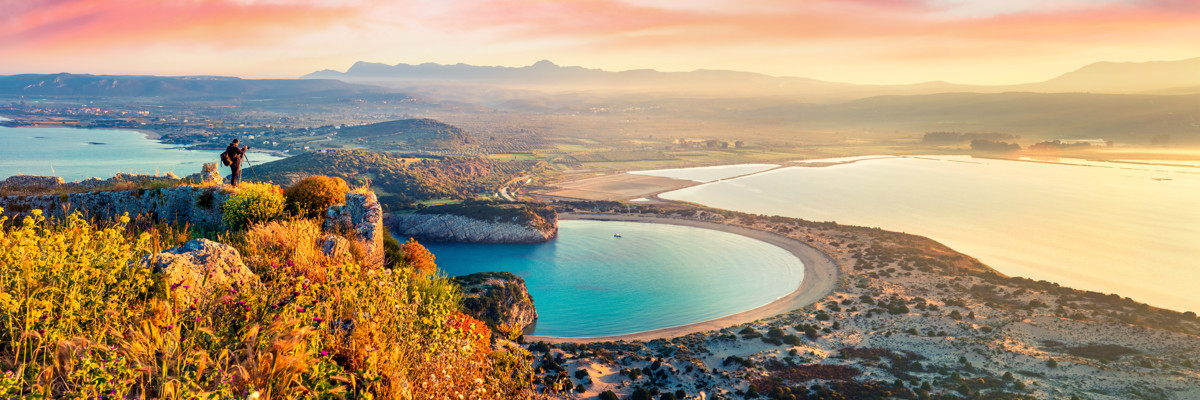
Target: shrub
pixel 608 395
pixel 96 327
pixel 313 195
pixel 252 202
pixel 417 257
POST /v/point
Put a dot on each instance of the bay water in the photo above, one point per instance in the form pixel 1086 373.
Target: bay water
pixel 587 282
pixel 76 154
pixel 1112 227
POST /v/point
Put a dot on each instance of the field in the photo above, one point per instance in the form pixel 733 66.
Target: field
pixel 616 187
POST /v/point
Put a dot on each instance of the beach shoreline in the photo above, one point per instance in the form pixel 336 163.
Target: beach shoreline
pixel 820 279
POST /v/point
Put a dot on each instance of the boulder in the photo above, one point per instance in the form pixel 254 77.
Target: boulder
pixel 497 298
pixel 208 174
pixel 200 269
pixel 335 246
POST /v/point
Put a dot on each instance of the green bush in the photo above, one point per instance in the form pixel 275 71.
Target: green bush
pixel 313 195
pixel 252 202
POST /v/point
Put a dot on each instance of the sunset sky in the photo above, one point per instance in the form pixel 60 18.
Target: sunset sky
pixel 860 41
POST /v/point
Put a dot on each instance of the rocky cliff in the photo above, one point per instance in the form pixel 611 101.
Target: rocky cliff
pixel 458 228
pixel 198 206
pixel 498 298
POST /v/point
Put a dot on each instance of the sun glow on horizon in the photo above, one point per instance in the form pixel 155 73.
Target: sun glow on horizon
pixel 857 41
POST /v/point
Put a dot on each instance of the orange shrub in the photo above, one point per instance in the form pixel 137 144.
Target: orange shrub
pixel 313 195
pixel 417 256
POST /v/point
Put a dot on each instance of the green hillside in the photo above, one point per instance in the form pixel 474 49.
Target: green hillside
pixel 421 133
pixel 397 180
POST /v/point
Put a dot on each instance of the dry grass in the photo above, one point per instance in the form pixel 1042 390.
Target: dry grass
pixel 77 321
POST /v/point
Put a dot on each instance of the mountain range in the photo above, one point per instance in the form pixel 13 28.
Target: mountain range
pixel 1158 77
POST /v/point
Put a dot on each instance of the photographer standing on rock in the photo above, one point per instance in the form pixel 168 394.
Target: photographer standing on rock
pixel 232 157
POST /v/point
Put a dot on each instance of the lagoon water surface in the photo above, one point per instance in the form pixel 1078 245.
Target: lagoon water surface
pixel 589 283
pixel 1111 227
pixel 76 154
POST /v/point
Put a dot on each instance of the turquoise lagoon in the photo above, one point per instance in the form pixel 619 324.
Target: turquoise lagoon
pixel 589 283
pixel 76 154
pixel 1114 227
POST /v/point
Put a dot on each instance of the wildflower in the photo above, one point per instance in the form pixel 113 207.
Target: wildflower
pixel 254 396
pixel 324 353
pixel 301 309
pixel 318 319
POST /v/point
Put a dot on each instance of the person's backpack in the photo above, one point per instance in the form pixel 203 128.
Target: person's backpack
pixel 226 159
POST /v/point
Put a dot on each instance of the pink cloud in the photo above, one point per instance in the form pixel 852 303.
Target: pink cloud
pixel 70 25
pixel 613 23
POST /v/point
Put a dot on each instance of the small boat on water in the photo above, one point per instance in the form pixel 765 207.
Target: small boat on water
pixel 617 235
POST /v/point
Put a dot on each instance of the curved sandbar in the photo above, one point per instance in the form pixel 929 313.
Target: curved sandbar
pixel 820 278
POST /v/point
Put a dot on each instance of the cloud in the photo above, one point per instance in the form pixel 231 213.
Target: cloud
pixel 644 23
pixel 73 25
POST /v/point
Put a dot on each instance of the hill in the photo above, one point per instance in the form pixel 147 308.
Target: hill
pixel 1182 76
pixel 407 134
pixel 398 181
pixel 65 84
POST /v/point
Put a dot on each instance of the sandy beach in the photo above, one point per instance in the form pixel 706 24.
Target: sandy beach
pixel 820 278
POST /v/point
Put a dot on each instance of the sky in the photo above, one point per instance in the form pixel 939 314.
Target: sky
pixel 858 41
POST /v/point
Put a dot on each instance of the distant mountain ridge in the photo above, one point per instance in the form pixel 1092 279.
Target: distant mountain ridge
pixel 65 84
pixel 1173 77
pixel 547 73
pixel 1177 77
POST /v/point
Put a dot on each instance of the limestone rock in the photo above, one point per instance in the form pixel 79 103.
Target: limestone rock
pixel 362 215
pixel 497 298
pixel 335 246
pixel 457 228
pixel 201 269
pixel 208 174
pixel 32 181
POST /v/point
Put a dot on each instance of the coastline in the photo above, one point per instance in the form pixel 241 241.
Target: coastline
pixel 820 279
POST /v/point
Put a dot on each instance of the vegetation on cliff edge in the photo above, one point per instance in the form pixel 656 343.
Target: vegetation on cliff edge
pixel 79 317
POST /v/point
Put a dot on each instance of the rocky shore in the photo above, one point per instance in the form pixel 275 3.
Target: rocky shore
pixel 499 299
pixel 458 228
pixel 908 319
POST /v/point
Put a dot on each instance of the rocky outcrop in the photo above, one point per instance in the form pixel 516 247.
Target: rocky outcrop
pixel 31 181
pixel 201 269
pixel 208 175
pixel 497 298
pixel 457 228
pixel 363 216
pixel 37 182
pixel 198 206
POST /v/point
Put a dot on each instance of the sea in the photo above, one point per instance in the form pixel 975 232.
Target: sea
pixel 77 154
pixel 1130 228
pixel 587 282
